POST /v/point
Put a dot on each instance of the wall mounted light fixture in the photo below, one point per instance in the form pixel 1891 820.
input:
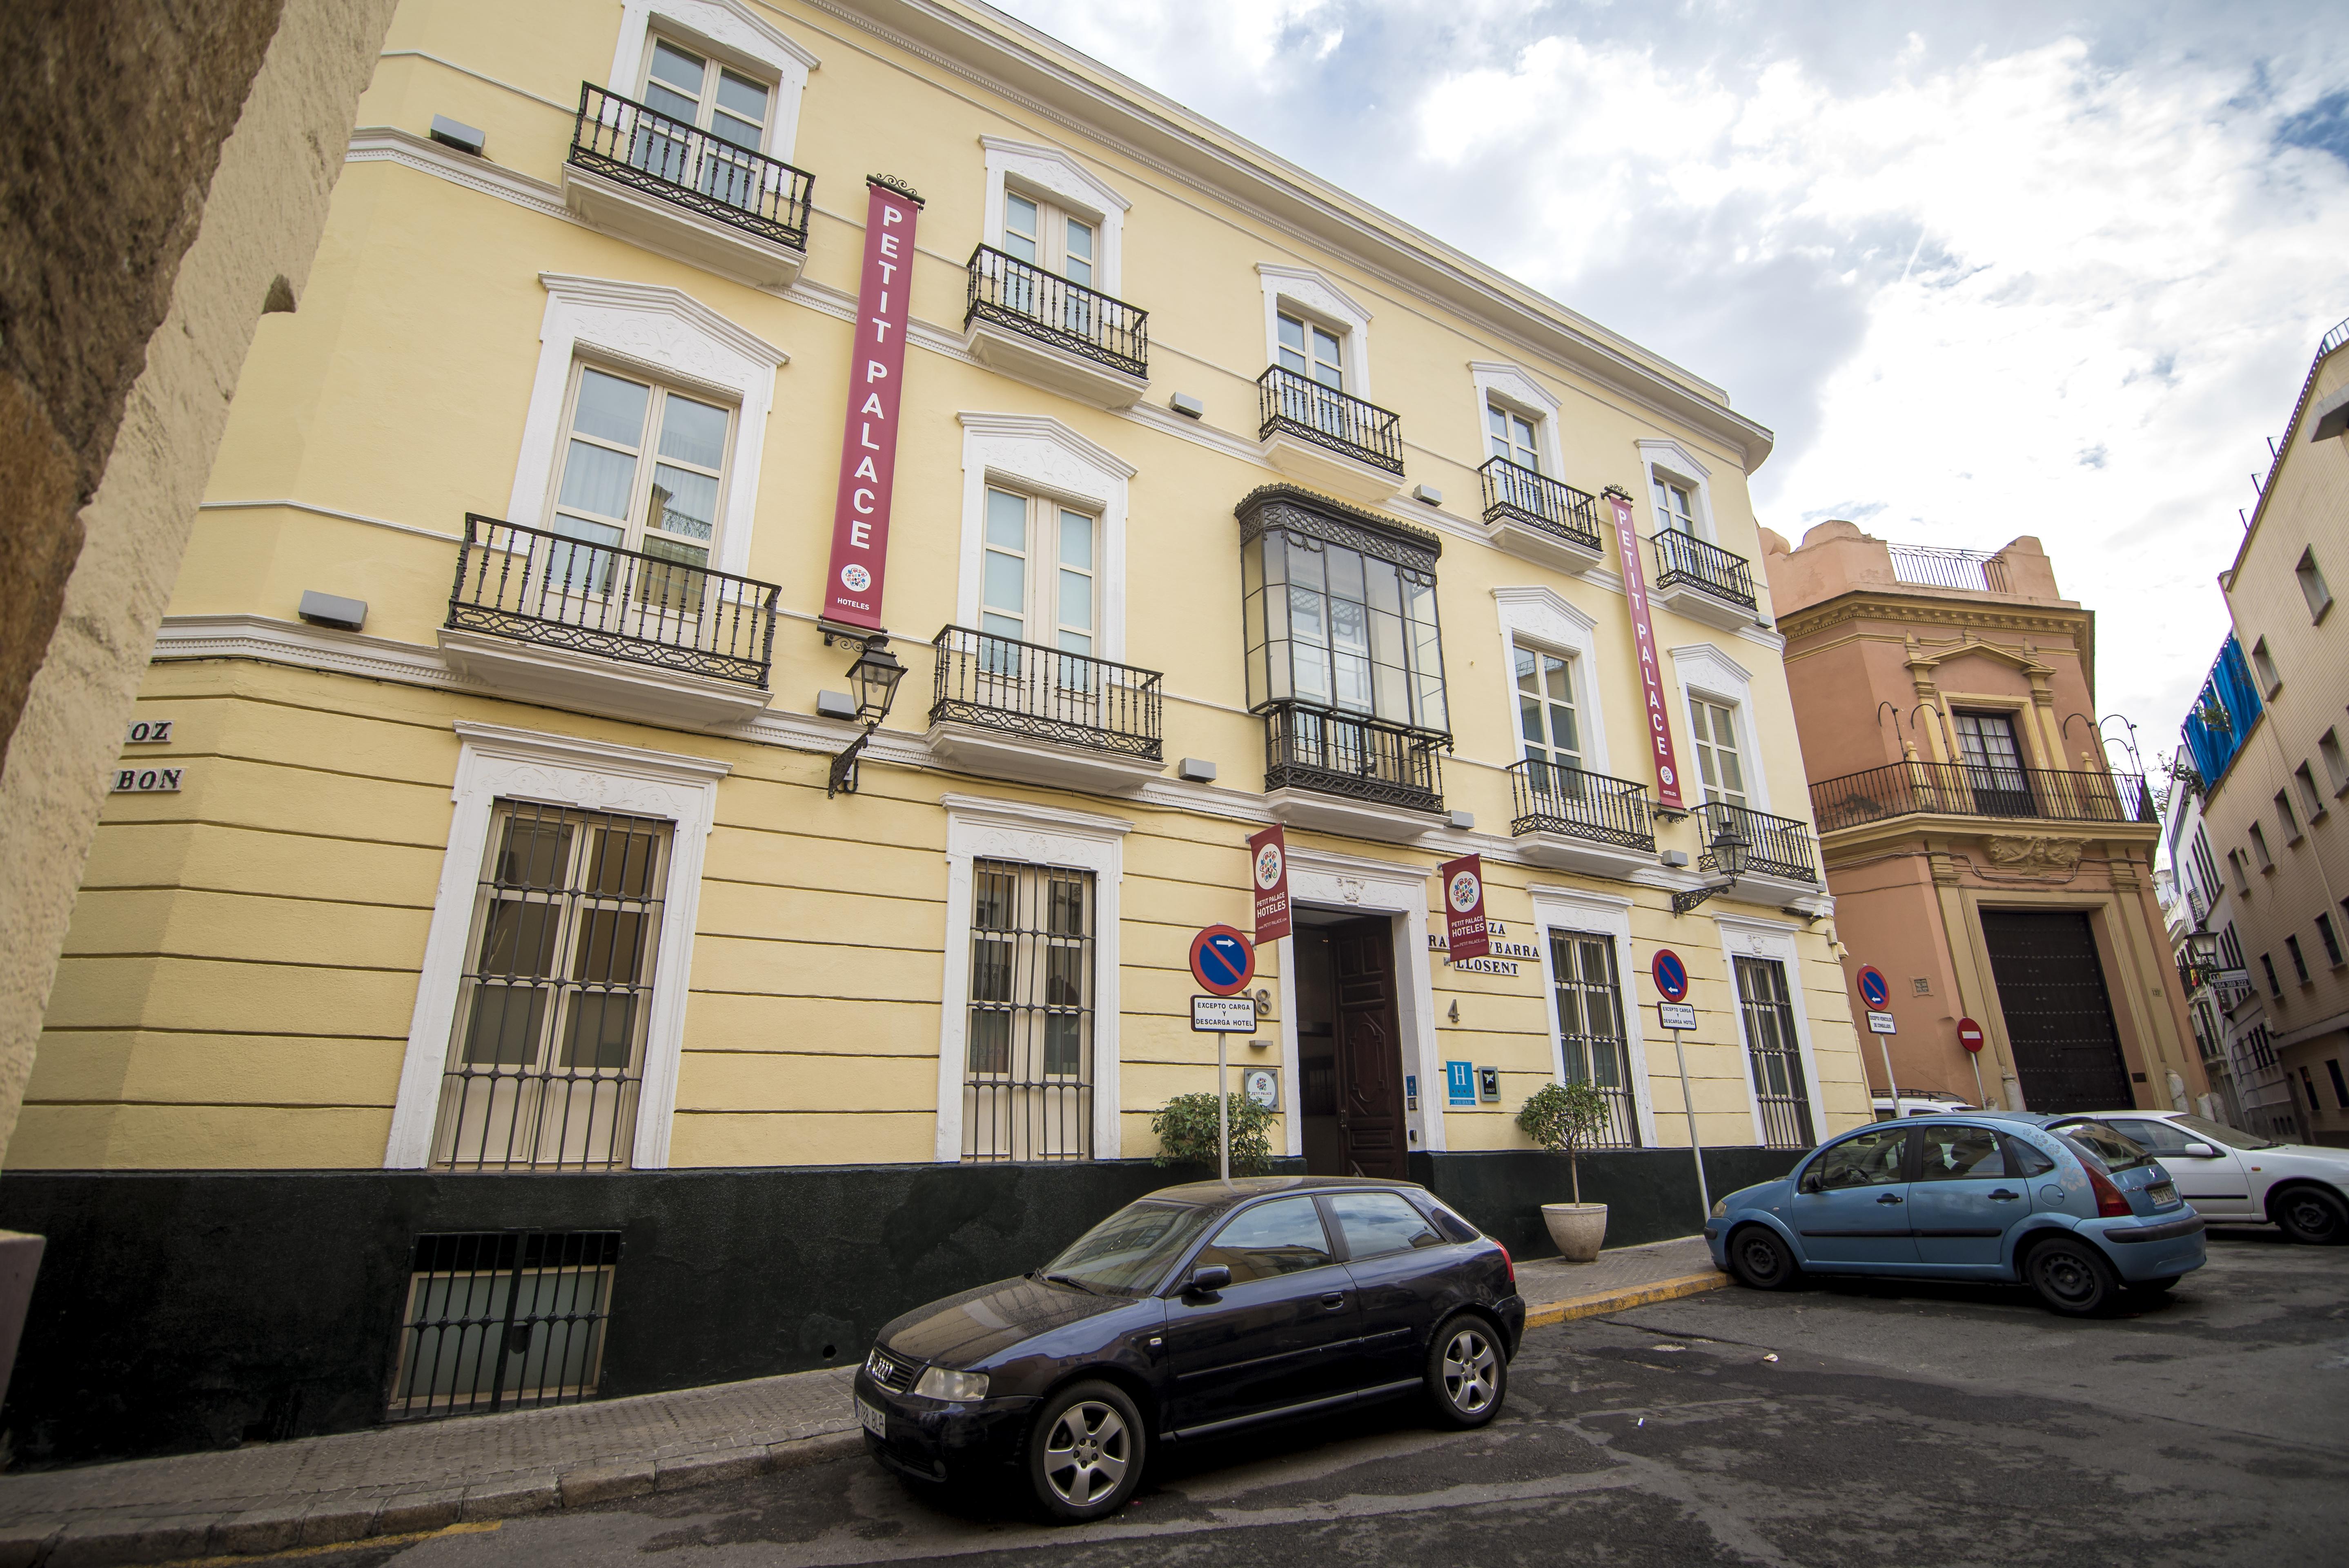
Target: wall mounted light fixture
pixel 873 683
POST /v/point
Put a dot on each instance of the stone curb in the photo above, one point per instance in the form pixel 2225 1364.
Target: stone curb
pixel 98 1541
pixel 1616 1301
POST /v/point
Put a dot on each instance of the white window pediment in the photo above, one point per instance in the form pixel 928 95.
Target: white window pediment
pixel 1704 671
pixel 1038 454
pixel 724 27
pixel 1509 386
pixel 1048 171
pixel 1316 296
pixel 661 332
pixel 1670 461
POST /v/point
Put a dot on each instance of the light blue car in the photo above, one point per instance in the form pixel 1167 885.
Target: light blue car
pixel 2080 1215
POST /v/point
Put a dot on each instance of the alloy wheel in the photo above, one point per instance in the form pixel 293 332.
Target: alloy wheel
pixel 1086 1453
pixel 1469 1363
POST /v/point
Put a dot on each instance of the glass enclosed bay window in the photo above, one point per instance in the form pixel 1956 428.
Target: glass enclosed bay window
pixel 1346 627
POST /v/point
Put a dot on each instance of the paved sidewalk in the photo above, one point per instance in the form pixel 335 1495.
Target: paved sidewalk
pixel 396 1481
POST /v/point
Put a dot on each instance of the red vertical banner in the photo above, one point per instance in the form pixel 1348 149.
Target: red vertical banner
pixel 868 448
pixel 1464 936
pixel 1651 680
pixel 1269 869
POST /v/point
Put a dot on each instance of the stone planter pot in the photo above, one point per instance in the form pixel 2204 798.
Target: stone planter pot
pixel 1578 1229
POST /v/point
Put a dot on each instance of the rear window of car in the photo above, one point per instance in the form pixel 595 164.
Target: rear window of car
pixel 1376 1223
pixel 2104 1147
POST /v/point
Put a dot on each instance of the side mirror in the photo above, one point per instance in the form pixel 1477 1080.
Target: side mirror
pixel 2198 1151
pixel 1810 1183
pixel 1207 1281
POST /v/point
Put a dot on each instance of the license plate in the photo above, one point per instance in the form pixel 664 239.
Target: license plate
pixel 874 1420
pixel 2162 1195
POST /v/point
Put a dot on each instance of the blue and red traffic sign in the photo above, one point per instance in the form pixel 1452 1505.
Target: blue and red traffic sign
pixel 1222 961
pixel 1670 974
pixel 1874 990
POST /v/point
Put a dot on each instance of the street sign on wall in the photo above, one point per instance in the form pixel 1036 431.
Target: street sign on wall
pixel 1223 1014
pixel 1676 1016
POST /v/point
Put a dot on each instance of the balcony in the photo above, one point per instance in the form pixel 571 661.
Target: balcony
pixel 1962 789
pixel 1014 710
pixel 637 173
pixel 1037 326
pixel 1533 516
pixel 1329 438
pixel 1352 773
pixel 1779 850
pixel 1701 581
pixel 1582 821
pixel 607 630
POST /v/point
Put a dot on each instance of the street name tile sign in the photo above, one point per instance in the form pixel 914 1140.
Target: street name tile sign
pixel 147 781
pixel 148 732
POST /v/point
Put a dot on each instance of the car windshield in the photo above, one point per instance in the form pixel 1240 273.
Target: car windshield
pixel 2107 1147
pixel 2217 1134
pixel 1130 1251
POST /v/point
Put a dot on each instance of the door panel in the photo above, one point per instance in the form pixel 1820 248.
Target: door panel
pixel 2050 991
pixel 1370 1050
pixel 1963 1199
pixel 1859 1211
pixel 1280 1334
pixel 1396 1259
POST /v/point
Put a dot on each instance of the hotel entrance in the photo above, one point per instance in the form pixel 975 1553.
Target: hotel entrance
pixel 1349 1045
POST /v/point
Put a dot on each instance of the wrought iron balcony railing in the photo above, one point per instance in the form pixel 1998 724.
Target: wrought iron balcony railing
pixel 621 140
pixel 1304 408
pixel 1049 308
pixel 1966 789
pixel 1685 558
pixel 1775 846
pixel 534 586
pixel 1512 490
pixel 1002 683
pixel 1554 798
pixel 1933 566
pixel 1354 755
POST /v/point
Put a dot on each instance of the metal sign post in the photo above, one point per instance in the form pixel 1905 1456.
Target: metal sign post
pixel 1877 992
pixel 1969 1035
pixel 1222 962
pixel 1674 1013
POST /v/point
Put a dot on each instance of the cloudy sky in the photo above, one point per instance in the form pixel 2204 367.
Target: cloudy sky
pixel 1987 269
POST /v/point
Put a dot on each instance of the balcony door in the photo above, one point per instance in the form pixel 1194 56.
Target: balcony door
pixel 1039 594
pixel 643 472
pixel 1676 507
pixel 691 94
pixel 1056 243
pixel 1717 762
pixel 1311 351
pixel 1546 726
pixel 1993 765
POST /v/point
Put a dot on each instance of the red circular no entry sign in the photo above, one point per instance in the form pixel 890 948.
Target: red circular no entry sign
pixel 1970 1035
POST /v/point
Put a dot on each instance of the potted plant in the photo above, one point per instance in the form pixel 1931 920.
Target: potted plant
pixel 1187 1133
pixel 1563 1118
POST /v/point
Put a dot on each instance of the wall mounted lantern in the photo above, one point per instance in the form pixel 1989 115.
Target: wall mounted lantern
pixel 873 683
pixel 1729 847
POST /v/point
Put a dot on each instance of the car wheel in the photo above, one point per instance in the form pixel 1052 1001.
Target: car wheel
pixel 1760 1259
pixel 1467 1375
pixel 1085 1451
pixel 2072 1277
pixel 2310 1214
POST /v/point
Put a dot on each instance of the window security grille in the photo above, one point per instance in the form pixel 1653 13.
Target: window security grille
pixel 548 1055
pixel 1028 1085
pixel 1778 1056
pixel 1590 1030
pixel 502 1320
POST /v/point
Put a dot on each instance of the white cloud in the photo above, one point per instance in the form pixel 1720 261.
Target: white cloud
pixel 2058 282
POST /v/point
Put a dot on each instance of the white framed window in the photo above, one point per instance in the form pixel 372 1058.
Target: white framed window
pixel 643 468
pixel 1717 704
pixel 1774 1025
pixel 1032 899
pixel 1044 535
pixel 1548 728
pixel 1537 620
pixel 1723 771
pixel 1039 577
pixel 561 937
pixel 1517 417
pixel 1314 328
pixel 661 41
pixel 652 337
pixel 1511 436
pixel 1679 493
pixel 1048 210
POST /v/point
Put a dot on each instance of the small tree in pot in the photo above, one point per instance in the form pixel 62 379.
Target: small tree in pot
pixel 1187 1133
pixel 1564 1118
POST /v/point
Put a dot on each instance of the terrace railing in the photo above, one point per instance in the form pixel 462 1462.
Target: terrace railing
pixel 623 140
pixel 1775 846
pixel 1685 558
pixel 1044 305
pixel 1022 688
pixel 1354 755
pixel 1344 423
pixel 1512 490
pixel 1966 789
pixel 1551 797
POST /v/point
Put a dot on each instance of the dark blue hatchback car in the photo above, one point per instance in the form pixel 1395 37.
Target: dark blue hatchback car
pixel 2080 1215
pixel 1196 1311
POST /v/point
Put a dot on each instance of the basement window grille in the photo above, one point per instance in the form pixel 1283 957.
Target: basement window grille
pixel 1028 1083
pixel 548 1055
pixel 503 1320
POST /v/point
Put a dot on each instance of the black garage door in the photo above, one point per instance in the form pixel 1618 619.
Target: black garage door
pixel 2051 987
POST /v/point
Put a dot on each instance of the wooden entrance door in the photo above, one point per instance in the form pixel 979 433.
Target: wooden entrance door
pixel 1370 1049
pixel 2051 989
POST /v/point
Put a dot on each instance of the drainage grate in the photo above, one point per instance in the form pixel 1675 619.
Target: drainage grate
pixel 503 1320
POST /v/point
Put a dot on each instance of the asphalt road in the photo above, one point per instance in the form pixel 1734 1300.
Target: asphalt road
pixel 1899 1424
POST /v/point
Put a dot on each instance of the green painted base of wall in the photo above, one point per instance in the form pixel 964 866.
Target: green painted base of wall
pixel 177 1312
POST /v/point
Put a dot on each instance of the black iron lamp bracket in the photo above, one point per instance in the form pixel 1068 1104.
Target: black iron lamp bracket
pixel 1683 902
pixel 844 767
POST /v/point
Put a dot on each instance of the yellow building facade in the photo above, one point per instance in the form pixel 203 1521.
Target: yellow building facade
pixel 1221 499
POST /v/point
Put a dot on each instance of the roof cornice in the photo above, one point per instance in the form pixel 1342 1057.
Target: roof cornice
pixel 1902 609
pixel 1008 58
